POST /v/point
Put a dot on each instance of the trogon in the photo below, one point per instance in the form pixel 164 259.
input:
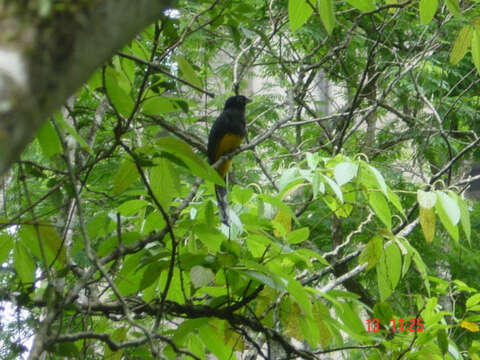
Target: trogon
pixel 226 134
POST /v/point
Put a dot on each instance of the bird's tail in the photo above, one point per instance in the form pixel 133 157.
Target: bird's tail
pixel 222 200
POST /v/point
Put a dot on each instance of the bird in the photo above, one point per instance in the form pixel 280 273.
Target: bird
pixel 226 135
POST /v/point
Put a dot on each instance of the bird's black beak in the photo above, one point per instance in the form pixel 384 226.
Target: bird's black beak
pixel 247 100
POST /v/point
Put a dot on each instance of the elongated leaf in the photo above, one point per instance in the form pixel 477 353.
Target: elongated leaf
pixel 162 181
pixel 6 245
pixel 428 8
pixel 461 44
pixel 476 48
pixel 389 270
pixel 450 205
pixel 126 175
pixel 66 126
pixel 473 300
pixel 131 207
pixel 327 14
pixel 464 217
pixel 453 6
pixel 395 200
pixel 23 263
pixel 49 141
pixel 380 206
pixel 446 219
pixel 383 311
pixel 298 13
pixel 427 222
pixel 334 186
pixel 158 105
pixel 196 164
pixel 188 72
pixel 442 340
pixel 372 252
pixel 300 295
pixel 120 99
pixel 297 236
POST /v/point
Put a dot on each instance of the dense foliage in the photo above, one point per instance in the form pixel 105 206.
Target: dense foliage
pixel 350 233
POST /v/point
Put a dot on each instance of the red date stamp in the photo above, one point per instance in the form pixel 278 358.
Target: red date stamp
pixel 397 325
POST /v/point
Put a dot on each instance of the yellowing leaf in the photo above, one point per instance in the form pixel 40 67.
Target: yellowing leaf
pixel 470 326
pixel 285 220
pixel 461 44
pixel 427 222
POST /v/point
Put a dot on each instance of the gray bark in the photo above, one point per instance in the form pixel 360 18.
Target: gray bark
pixel 43 60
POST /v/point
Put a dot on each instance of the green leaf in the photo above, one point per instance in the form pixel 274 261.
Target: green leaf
pixel 461 44
pixel 464 217
pixel 476 48
pixel 196 164
pixel 442 339
pixel 449 213
pixel 126 175
pixel 473 300
pixel 389 270
pixel 334 186
pixel 120 99
pixel 383 312
pixel 380 206
pixel 327 14
pixel 298 13
pixel 49 141
pixel 210 337
pixel 450 205
pixel 297 236
pixel 163 182
pixel 362 5
pixel 158 105
pixel 345 172
pixel 310 330
pixel 312 160
pixel 417 259
pixel 427 222
pixel 300 295
pixel 242 194
pixel 372 252
pixel 278 203
pixel 131 207
pixel 23 263
pixel 428 8
pixel 372 178
pixel 209 236
pixel 426 199
pixel 128 279
pixel 188 72
pixel 201 276
pixel 453 6
pixel 6 244
pixel 66 126
pixel 395 200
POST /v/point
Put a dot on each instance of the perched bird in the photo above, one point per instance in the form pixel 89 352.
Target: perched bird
pixel 226 134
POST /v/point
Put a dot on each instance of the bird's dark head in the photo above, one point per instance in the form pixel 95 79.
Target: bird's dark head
pixel 237 102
